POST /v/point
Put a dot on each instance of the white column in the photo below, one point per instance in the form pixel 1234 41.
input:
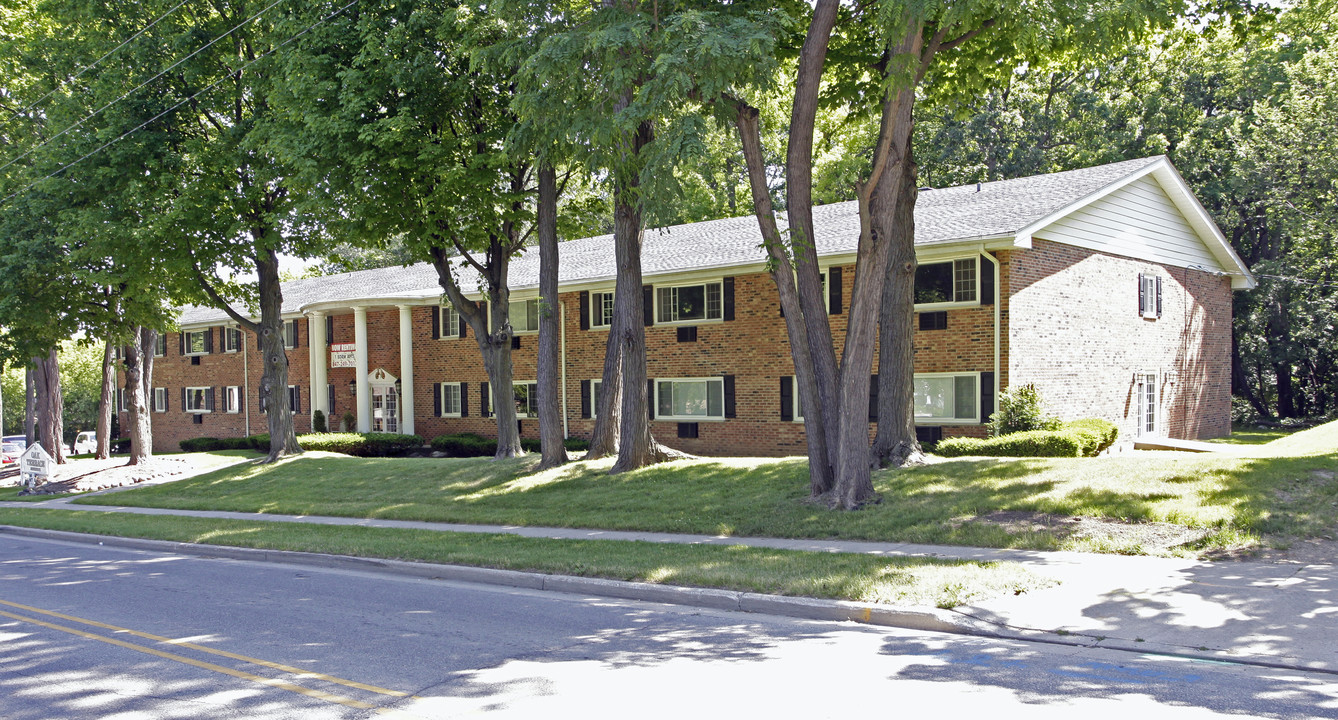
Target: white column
pixel 360 367
pixel 406 369
pixel 319 359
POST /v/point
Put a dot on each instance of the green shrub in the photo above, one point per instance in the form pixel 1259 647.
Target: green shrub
pixel 1020 410
pixel 576 444
pixel 350 421
pixel 1080 438
pixel 474 445
pixel 360 444
pixel 201 444
pixel 1103 433
pixel 318 422
pixel 259 442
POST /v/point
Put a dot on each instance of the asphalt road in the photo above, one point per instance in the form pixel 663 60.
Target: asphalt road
pixel 97 632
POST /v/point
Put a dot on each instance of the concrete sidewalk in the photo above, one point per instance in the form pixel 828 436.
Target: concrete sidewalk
pixel 1279 614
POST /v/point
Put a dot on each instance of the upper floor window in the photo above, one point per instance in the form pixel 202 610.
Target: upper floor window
pixel 232 339
pixel 684 303
pixel 954 281
pixel 159 345
pixel 450 322
pixel 290 334
pixel 524 315
pixel 197 342
pixel 160 399
pixel 1149 296
pixel 601 309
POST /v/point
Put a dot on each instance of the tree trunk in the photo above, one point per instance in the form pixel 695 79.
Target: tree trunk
pixel 750 137
pixel 636 447
pixel 30 404
pixel 50 411
pixel 274 357
pixel 895 442
pixel 552 451
pixel 799 211
pixel 136 401
pixel 103 432
pixel 608 402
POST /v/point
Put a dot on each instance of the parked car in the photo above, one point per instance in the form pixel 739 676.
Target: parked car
pixel 9 454
pixel 85 442
pixel 20 440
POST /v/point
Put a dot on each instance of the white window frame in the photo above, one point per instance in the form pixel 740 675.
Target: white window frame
pixel 691 418
pixel 449 325
pixel 228 334
pixel 160 399
pixel 459 400
pixel 951 303
pixel 597 307
pixel 204 401
pixel 594 397
pixel 203 342
pixel 120 400
pixel 290 338
pixel 511 316
pixel 1149 294
pixel 232 399
pixel 295 407
pixel 796 411
pixel 973 420
pixel 159 344
pixel 705 319
pixel 1141 378
pixel 531 402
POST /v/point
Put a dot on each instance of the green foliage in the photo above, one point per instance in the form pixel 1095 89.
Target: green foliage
pixel 474 445
pixel 208 444
pixel 318 422
pixel 361 444
pixel 1080 438
pixel 1020 410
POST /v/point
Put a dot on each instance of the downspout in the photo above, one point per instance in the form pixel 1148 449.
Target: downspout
pixel 998 322
pixel 246 382
pixel 562 352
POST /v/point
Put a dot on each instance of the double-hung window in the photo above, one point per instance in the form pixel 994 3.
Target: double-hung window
pixel 524 315
pixel 232 339
pixel 450 400
pixel 1149 296
pixel 160 345
pixel 295 399
pixel 689 303
pixel 197 342
pixel 232 399
pixel 290 334
pixel 199 399
pixel 947 397
pixel 527 399
pixel 690 399
pixel 601 309
pixel 450 322
pixel 160 399
pixel 954 281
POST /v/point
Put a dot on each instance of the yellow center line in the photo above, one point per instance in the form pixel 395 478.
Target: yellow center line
pixel 283 685
pixel 221 653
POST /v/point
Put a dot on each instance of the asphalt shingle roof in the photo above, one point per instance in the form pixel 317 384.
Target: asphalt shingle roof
pixel 942 216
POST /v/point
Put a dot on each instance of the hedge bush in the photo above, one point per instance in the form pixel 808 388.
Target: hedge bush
pixel 474 445
pixel 1020 410
pixel 1080 438
pixel 207 444
pixel 360 444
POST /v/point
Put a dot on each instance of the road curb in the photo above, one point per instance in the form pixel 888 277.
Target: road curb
pixel 930 619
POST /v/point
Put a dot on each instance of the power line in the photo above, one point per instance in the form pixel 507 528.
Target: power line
pixel 1297 280
pixel 86 68
pixel 127 94
pixel 206 89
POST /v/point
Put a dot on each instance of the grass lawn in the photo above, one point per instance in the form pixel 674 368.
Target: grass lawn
pixel 1253 435
pixel 1285 489
pixel 904 581
pixel 204 461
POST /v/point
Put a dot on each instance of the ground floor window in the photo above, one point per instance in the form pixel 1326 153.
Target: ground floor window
pixel 232 399
pixel 295 398
pixel 1147 404
pixel 527 399
pixel 947 397
pixel 160 399
pixel 690 399
pixel 199 399
pixel 450 400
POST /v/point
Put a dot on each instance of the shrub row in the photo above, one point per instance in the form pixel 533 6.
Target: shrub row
pixel 473 445
pixel 360 444
pixel 1080 438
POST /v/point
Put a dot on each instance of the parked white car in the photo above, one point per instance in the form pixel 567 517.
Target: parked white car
pixel 84 443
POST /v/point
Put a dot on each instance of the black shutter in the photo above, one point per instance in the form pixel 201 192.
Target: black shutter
pixel 873 398
pixel 1158 296
pixel 986 396
pixel 585 309
pixel 181 336
pixel 484 400
pixel 650 398
pixel 687 333
pixel 463 326
pixel 183 399
pixel 297 333
pixel 464 399
pixel 330 400
pixel 165 403
pixel 987 270
pixel 585 399
pixel 209 340
pixel 727 290
pixel 834 290
pixel 436 322
pixel 1142 301
pixel 209 399
pixel 297 398
pixel 436 399
pixel 787 398
pixel 729 396
pixel 329 331
pixel 648 305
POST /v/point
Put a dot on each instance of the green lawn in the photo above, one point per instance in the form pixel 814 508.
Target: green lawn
pixel 206 460
pixel 1253 435
pixel 904 581
pixel 1285 489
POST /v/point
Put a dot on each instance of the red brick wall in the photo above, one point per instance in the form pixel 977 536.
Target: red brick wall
pixel 1079 338
pixel 1075 340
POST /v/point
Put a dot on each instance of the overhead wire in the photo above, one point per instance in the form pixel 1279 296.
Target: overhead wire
pixel 108 54
pixel 139 87
pixel 169 110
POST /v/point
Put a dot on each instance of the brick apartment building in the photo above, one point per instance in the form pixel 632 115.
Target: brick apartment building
pixel 1109 288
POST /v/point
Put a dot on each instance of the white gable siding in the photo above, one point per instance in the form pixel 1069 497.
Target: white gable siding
pixel 1138 221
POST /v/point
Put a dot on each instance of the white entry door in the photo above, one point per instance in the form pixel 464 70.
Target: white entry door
pixel 1147 405
pixel 385 409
